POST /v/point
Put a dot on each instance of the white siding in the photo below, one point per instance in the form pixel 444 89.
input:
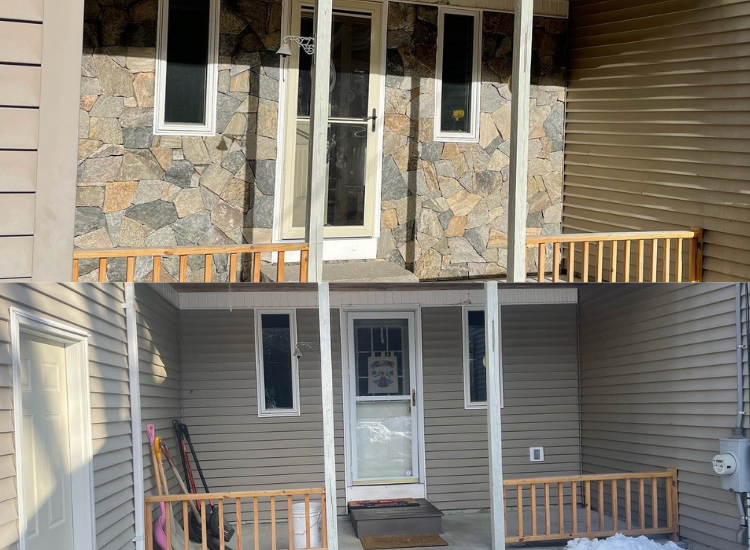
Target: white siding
pixel 658 386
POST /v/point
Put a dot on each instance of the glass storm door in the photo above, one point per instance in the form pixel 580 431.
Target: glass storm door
pixel 385 442
pixel 352 132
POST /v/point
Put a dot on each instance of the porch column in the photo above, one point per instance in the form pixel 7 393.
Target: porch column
pixel 316 187
pixel 494 412
pixel 329 451
pixel 519 140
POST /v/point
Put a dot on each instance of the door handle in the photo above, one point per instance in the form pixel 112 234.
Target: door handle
pixel 413 398
pixel 372 117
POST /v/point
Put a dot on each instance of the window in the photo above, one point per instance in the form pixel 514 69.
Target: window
pixel 277 372
pixel 458 75
pixel 186 69
pixel 475 372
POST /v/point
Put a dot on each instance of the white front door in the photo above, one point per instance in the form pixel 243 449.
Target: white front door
pixel 384 444
pixel 47 484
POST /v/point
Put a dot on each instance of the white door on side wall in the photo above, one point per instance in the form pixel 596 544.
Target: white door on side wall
pixel 385 443
pixel 47 485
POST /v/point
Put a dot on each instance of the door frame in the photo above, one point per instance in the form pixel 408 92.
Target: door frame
pixel 379 491
pixel 79 420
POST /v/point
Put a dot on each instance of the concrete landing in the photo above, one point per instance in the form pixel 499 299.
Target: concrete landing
pixel 359 271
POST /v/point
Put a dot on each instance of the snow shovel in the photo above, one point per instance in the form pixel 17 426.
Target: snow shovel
pixel 159 535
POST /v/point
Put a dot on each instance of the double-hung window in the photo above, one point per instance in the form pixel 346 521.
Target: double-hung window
pixel 277 369
pixel 475 371
pixel 186 67
pixel 458 75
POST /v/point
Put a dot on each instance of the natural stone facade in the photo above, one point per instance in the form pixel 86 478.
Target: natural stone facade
pixel 140 190
pixel 444 204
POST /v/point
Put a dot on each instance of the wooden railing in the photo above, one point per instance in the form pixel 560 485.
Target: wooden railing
pixel 668 256
pixel 630 503
pixel 262 501
pixel 206 252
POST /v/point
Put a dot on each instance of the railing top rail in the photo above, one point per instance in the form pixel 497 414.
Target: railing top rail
pixel 233 495
pixel 589 477
pixel 189 250
pixel 617 236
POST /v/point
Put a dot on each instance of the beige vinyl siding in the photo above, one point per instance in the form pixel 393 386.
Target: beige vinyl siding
pixel 238 449
pixel 658 123
pixel 658 390
pixel 96 309
pixel 540 367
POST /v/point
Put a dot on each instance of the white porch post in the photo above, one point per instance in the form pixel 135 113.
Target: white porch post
pixel 329 451
pixel 519 140
pixel 494 413
pixel 316 187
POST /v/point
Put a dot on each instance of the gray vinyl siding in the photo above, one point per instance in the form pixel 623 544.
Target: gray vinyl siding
pixel 657 132
pixel 238 449
pixel 540 370
pixel 98 310
pixel 658 389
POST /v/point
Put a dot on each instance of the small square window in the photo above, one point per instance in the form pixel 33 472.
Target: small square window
pixel 458 76
pixel 277 372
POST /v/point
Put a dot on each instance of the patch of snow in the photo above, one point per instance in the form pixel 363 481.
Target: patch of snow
pixel 620 542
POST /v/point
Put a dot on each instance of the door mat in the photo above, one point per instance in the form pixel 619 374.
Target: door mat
pixel 385 503
pixel 402 541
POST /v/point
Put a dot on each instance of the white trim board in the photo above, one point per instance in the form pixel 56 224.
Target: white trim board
pixel 79 418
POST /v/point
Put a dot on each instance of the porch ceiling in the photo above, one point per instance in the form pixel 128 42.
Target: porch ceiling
pixel 350 287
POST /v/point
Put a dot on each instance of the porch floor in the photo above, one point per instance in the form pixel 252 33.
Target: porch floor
pixel 462 531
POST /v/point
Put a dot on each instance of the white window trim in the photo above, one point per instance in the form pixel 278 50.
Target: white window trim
pixel 476 85
pixel 468 403
pixel 184 129
pixel 261 386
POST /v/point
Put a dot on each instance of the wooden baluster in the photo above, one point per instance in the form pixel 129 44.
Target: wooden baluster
pixel 289 521
pixel 519 508
pixel 641 504
pixel 75 270
pixel 626 266
pixel 613 261
pixel 555 262
pixel 221 522
pixel 574 505
pixel 182 277
pixel 303 258
pixel 615 506
pixel 324 534
pixel 256 267
pixel 156 277
pixel 585 263
pixel 678 261
pixel 148 522
pixel 672 488
pixel 654 259
pixel 238 512
pixel 547 526
pixel 601 505
pixel 533 508
pixel 667 259
pixel 698 253
pixel 560 509
pixel 542 250
pixel 273 523
pixel 587 496
pixel 572 262
pixel 599 261
pixel 233 267
pixel 102 270
pixel 130 269
pixel 628 506
pixel 307 521
pixel 186 523
pixel 641 247
pixel 256 521
pixel 654 503
pixel 280 268
pixel 204 534
pixel 668 499
pixel 207 265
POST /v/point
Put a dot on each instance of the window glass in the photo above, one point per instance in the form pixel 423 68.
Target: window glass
pixel 187 61
pixel 278 377
pixel 477 350
pixel 457 73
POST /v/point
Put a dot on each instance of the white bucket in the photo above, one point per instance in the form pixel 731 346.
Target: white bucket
pixel 298 525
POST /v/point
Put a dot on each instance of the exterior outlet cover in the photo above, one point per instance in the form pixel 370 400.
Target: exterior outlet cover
pixel 536 454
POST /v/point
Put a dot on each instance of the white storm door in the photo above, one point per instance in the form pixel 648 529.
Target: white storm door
pixel 46 482
pixel 385 440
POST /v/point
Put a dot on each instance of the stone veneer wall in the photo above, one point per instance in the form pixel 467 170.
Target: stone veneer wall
pixel 444 204
pixel 140 190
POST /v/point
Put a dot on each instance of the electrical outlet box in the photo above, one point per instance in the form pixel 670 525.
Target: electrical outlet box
pixel 536 454
pixel 733 464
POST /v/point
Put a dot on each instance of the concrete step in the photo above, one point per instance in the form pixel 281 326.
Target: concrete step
pixel 407 520
pixel 355 271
